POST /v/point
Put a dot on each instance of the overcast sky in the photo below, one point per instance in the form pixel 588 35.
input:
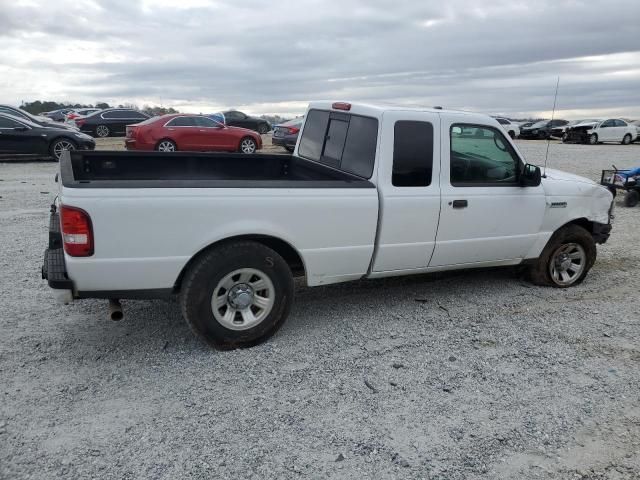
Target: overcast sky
pixel 499 57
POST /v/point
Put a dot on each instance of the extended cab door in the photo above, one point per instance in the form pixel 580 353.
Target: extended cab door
pixel 408 182
pixel 486 216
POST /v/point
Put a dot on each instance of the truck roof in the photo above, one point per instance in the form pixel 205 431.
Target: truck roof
pixel 378 109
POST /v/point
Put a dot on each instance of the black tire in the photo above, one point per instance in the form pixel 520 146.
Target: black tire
pixel 564 138
pixel 540 272
pixel 626 140
pixel 56 144
pixel 290 149
pixel 263 128
pixel 543 136
pixel 631 198
pixel 512 134
pixel 202 280
pixel 614 191
pixel 593 139
pixel 166 145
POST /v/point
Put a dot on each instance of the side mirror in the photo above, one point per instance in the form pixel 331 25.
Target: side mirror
pixel 531 176
pixel 20 129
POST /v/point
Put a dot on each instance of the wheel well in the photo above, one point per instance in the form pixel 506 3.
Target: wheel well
pixel 166 138
pixel 581 222
pixel 62 137
pixel 284 249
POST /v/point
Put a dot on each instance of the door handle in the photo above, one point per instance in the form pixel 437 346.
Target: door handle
pixel 459 204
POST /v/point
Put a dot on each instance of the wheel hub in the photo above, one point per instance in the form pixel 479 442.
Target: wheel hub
pixel 240 296
pixel 563 262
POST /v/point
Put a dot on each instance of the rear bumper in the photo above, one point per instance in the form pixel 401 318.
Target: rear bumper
pixel 284 141
pixel 54 269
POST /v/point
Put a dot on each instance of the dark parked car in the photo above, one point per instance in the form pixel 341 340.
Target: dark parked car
pixel 238 119
pixel 21 136
pixel 57 115
pixel 110 122
pixel 541 130
pixel 19 113
pixel 286 134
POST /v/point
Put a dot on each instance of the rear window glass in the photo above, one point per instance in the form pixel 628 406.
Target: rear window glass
pixel 412 154
pixel 340 140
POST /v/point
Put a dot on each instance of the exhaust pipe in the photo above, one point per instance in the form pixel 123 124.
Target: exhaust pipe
pixel 115 310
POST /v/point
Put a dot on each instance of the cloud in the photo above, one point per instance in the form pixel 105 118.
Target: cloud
pixel 497 57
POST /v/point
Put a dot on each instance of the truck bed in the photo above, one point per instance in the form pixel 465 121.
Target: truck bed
pixel 112 169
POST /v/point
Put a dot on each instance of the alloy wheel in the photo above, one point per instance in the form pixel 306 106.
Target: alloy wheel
pixel 248 146
pixel 61 146
pixel 102 131
pixel 166 146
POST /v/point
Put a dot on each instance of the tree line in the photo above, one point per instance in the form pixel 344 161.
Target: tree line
pixel 39 106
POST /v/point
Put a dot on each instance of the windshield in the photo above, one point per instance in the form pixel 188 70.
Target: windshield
pixel 543 123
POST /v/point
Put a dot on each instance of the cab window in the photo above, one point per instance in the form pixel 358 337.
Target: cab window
pixel 482 156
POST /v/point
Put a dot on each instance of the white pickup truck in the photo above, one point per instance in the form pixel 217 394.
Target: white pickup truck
pixel 369 192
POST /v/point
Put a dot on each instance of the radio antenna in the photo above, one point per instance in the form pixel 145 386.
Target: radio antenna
pixel 553 113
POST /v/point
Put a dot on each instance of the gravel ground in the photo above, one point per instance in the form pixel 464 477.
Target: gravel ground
pixel 467 375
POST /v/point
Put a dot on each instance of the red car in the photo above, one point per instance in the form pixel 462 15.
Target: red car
pixel 188 132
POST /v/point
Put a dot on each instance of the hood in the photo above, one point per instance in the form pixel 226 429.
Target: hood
pixel 561 176
pixel 586 125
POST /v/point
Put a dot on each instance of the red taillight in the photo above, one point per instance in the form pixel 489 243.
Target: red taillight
pixel 341 106
pixel 77 232
pixel 79 122
pixel 293 130
pixel 130 132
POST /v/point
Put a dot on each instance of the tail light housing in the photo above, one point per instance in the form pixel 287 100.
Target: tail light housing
pixel 79 121
pixel 77 231
pixel 293 130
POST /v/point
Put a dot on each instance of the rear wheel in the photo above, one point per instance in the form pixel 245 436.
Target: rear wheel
pixel 166 145
pixel 247 145
pixel 631 198
pixel 593 139
pixel 59 145
pixel 102 131
pixel 626 140
pixel 263 128
pixel 566 260
pixel 237 295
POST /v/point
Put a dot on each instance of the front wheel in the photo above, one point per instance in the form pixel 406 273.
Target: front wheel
pixel 593 139
pixel 564 138
pixel 566 260
pixel 237 295
pixel 248 145
pixel 59 146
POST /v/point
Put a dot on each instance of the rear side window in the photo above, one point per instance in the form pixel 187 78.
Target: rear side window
pixel 412 154
pixel 182 122
pixel 340 140
pixel 8 123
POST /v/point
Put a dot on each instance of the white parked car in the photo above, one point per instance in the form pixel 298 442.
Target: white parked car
pixel 510 127
pixel 609 130
pixel 369 192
